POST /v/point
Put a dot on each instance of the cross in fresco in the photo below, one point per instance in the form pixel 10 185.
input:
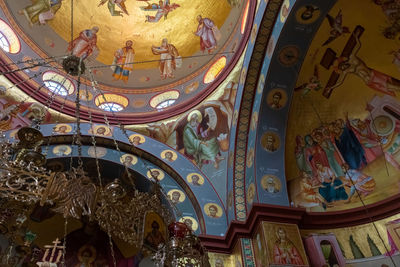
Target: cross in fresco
pixel 349 63
pixel 52 255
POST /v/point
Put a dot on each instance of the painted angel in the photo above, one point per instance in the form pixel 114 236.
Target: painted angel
pixel 337 28
pixel 111 6
pixel 41 10
pixel 163 8
pixel 314 83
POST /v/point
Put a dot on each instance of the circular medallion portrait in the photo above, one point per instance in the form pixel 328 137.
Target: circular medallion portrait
pixel 284 11
pixel 85 95
pixel 271 184
pixel 190 222
pixel 155 174
pixel 277 98
pixel 100 130
pixel 195 179
pixel 139 102
pixel 192 87
pixel 128 160
pixel 270 141
pixel 62 150
pixel 250 158
pixel 251 193
pixel 97 152
pixel 62 128
pixel 213 210
pixel 307 14
pixel 289 55
pixel 137 139
pixel 176 196
pixel 169 155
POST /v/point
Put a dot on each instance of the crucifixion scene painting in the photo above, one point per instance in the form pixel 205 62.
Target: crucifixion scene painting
pixel 344 152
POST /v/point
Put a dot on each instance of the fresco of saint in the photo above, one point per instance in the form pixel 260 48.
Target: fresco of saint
pixel 122 58
pixel 369 140
pixel 209 34
pixel 348 145
pixel 308 192
pixel 169 58
pixel 163 8
pixel 285 252
pixel 111 7
pixel 154 237
pixel 196 143
pixel 356 180
pixel 85 44
pixel 331 188
pixel 41 10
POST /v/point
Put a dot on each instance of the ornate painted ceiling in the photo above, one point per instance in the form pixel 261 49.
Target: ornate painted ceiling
pixel 344 113
pixel 202 41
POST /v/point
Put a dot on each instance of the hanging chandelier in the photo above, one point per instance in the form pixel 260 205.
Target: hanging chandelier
pixel 182 249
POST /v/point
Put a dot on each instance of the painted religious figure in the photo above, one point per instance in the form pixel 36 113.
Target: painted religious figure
pixel 85 44
pixel 154 230
pixel 359 181
pixel 154 237
pixel 197 144
pixel 123 62
pixel 163 8
pixel 169 59
pixel 285 252
pixel 86 256
pixel 309 192
pixel 331 187
pixel 350 63
pixel 111 7
pixel 209 34
pixel 41 10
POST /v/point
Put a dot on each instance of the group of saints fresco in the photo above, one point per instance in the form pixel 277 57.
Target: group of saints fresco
pixel 85 45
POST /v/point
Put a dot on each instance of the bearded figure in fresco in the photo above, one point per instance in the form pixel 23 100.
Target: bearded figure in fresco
pixel 123 60
pixel 169 59
pixel 85 44
pixel 41 10
pixel 209 34
pixel 285 251
pixel 197 144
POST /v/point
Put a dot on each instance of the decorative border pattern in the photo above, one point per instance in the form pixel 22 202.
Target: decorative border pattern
pixel 250 87
pixel 247 252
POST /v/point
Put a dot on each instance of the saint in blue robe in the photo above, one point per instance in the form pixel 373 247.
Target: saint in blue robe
pixel 351 149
